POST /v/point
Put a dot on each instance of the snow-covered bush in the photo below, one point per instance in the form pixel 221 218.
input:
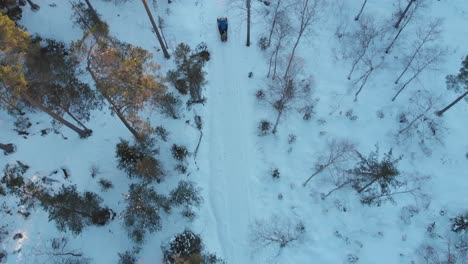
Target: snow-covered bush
pixel 127 257
pixel 179 152
pixel 263 43
pixel 275 173
pixel 187 247
pixel 460 223
pixel 260 94
pixel 137 160
pixel 105 184
pixel 264 128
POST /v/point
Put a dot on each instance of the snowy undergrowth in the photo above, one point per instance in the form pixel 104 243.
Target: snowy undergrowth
pixel 234 166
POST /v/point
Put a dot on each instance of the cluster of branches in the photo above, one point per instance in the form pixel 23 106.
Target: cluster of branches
pixel 375 180
pixel 277 232
pixel 418 123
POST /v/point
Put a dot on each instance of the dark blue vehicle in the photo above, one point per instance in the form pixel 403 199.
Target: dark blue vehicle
pixel 223 28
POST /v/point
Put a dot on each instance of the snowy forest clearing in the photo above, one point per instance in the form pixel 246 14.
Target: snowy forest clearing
pixel 269 161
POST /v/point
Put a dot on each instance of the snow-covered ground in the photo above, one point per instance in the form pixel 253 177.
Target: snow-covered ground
pixel 233 166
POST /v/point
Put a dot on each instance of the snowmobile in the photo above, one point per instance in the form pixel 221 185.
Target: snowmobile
pixel 223 28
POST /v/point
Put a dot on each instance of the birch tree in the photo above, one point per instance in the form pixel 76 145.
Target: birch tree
pixel 425 36
pixel 307 12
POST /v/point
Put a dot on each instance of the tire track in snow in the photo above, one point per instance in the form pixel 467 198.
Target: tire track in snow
pixel 230 140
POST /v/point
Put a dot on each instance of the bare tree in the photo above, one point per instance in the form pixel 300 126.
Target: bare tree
pixel 358 43
pixel 403 14
pixel 372 67
pixel 356 18
pixel 335 158
pixel 279 232
pixel 425 36
pixel 410 14
pixel 418 124
pixel 282 31
pixel 286 94
pixel 423 60
pixel 307 12
pixel 277 13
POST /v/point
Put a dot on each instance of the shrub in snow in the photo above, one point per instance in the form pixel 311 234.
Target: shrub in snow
pixel 264 128
pixel 380 114
pixel 181 168
pixel 179 152
pixel 291 138
pixel 95 170
pixel 162 133
pixel 105 184
pixel 275 173
pixel 137 160
pixel 460 223
pixel 7 148
pixel 260 94
pixel 263 43
pixel 187 247
pixel 350 115
pixel 307 111
pixel 13 175
pixel 128 257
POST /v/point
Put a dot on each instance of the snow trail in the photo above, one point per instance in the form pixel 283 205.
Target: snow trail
pixel 231 151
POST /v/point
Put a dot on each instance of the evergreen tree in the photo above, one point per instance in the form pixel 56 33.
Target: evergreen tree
pixel 141 215
pixel 190 70
pixel 53 73
pixel 18 79
pixel 73 211
pixel 125 76
pixel 374 177
pixel 137 160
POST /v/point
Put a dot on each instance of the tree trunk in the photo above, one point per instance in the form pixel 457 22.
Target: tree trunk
pixel 355 63
pixel 90 6
pixel 161 43
pixel 114 107
pixel 360 12
pixel 397 24
pixel 365 77
pixel 441 112
pixel 77 121
pixel 277 122
pixel 7 148
pixel 248 4
pixel 273 24
pixel 367 185
pixel 33 102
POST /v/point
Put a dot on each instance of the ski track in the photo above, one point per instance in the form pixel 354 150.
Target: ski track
pixel 230 148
